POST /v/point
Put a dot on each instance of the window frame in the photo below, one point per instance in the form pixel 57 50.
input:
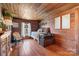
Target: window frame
pixel 57 22
pixel 65 21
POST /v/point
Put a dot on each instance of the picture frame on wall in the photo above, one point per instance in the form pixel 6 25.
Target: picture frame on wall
pixel 15 24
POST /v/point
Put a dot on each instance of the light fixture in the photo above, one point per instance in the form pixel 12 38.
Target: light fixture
pixel 7 22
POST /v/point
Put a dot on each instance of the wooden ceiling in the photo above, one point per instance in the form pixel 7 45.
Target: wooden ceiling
pixel 36 11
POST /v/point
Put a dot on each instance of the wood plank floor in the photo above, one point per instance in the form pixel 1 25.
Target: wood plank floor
pixel 34 49
pixel 59 50
pixel 30 48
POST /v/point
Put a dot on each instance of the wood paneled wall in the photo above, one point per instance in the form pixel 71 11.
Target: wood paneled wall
pixel 34 24
pixel 77 30
pixel 67 38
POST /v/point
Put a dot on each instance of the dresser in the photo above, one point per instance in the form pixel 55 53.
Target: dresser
pixel 5 46
pixel 46 39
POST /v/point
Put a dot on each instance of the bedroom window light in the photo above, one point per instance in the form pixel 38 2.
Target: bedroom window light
pixel 66 21
pixel 57 23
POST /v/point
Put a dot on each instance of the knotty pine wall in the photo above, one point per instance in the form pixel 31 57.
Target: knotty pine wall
pixel 67 38
pixel 77 30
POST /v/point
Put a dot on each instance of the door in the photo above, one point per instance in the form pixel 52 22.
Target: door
pixel 25 29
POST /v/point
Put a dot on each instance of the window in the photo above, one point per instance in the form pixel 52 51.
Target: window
pixel 57 23
pixel 66 21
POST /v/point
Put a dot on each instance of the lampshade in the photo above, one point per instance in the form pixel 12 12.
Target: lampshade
pixel 7 22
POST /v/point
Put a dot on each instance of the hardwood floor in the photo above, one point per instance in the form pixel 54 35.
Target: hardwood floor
pixel 59 50
pixel 32 48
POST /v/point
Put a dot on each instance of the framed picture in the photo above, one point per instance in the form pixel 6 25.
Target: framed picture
pixel 15 25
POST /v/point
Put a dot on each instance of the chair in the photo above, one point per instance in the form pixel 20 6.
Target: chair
pixel 16 38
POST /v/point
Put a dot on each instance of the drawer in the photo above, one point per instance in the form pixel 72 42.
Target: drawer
pixel 48 42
